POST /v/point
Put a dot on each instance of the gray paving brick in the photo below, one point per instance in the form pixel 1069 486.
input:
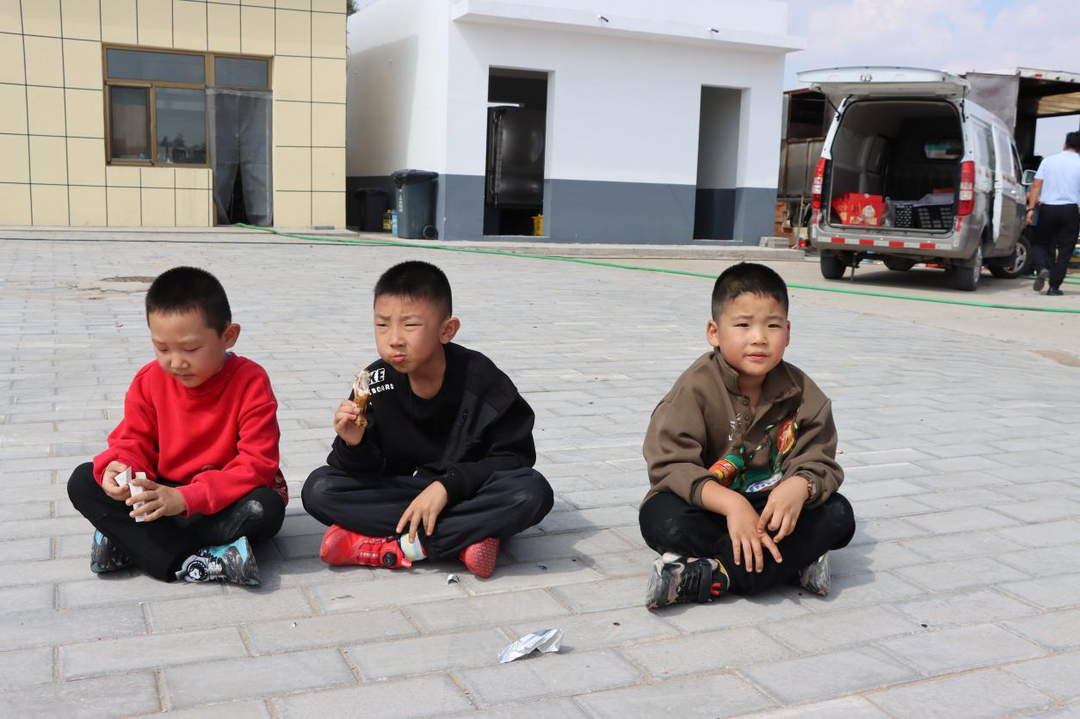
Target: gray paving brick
pixel 44 627
pixel 872 557
pixel 47 572
pixel 726 695
pixel 959 546
pixel 732 611
pixel 604 629
pixel 849 671
pixel 435 695
pixel 1048 592
pixel 402 589
pixel 961 520
pixel 951 650
pixel 1054 675
pixel 211 682
pixel 530 575
pixel 980 694
pixel 488 610
pixel 968 607
pixel 329 630
pixel 948 576
pixel 634 563
pixel 231 710
pixel 855 590
pixel 820 632
pixel 1056 630
pixel 420 655
pixel 600 595
pixel 1044 561
pixel 1044 535
pixel 155 651
pixel 705 653
pixel 568 544
pixel 549 675
pixel 216 611
pixel 549 709
pixel 849 708
pixel 606 497
pixel 88 698
pixel 129 586
pixel 25 668
pixel 25 550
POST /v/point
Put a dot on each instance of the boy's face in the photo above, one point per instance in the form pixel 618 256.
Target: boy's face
pixel 186 348
pixel 409 332
pixel 752 333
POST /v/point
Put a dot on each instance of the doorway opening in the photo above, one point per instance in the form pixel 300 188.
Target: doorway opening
pixel 718 163
pixel 240 156
pixel 516 139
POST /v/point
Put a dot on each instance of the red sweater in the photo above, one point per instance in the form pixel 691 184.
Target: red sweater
pixel 218 440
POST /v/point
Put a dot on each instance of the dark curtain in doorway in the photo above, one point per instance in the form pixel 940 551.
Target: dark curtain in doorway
pixel 240 125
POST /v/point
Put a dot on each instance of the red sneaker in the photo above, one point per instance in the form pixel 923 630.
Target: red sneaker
pixel 342 547
pixel 480 557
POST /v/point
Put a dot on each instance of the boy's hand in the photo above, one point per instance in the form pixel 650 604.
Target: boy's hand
pixel 785 505
pixel 345 422
pixel 425 508
pixel 746 541
pixel 158 501
pixel 108 481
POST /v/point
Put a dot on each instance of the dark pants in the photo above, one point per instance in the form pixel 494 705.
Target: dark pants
pixel 669 524
pixel 508 502
pixel 1055 233
pixel 160 547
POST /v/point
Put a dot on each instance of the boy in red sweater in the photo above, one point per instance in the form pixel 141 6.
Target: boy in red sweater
pixel 201 424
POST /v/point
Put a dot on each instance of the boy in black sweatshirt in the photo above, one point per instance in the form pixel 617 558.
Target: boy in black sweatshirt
pixel 443 466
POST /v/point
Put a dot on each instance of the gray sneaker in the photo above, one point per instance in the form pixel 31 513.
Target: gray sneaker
pixel 1040 280
pixel 676 579
pixel 816 577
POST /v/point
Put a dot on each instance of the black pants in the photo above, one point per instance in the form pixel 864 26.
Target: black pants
pixel 1055 233
pixel 159 547
pixel 669 524
pixel 507 503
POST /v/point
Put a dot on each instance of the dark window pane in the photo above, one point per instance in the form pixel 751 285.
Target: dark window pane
pixel 181 126
pixel 160 66
pixel 129 123
pixel 238 72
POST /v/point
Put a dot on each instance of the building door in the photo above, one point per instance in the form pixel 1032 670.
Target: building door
pixel 516 138
pixel 240 128
pixel 718 157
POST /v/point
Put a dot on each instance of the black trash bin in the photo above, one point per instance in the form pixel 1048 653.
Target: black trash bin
pixel 374 202
pixel 415 203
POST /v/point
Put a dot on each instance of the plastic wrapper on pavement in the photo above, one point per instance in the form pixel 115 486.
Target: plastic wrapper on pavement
pixel 543 641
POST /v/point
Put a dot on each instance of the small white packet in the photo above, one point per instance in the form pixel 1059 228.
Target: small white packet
pixel 543 641
pixel 124 477
pixel 136 490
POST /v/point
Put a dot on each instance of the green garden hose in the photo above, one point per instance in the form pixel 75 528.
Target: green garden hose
pixel 638 268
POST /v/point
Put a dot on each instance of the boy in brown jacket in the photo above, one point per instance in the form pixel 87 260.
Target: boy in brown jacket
pixel 741 458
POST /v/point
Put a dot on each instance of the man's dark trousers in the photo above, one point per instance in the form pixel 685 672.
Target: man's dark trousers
pixel 1055 233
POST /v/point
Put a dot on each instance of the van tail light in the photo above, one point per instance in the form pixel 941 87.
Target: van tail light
pixel 819 183
pixel 967 189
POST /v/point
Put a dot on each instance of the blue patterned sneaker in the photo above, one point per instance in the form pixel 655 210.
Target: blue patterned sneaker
pixel 106 556
pixel 234 563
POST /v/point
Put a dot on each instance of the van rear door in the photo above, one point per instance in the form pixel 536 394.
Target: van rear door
pixel 860 82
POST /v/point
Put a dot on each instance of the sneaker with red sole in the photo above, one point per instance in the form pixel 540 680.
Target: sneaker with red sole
pixel 480 557
pixel 342 547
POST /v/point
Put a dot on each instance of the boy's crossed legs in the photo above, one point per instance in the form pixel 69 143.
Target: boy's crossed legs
pixel 161 547
pixel 509 502
pixel 670 525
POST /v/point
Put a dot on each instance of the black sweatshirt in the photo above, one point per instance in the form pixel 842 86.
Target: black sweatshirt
pixel 475 425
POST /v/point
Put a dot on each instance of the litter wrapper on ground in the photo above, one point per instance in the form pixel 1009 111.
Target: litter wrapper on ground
pixel 543 641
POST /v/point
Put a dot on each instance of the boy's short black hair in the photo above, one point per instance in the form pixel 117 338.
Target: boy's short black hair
pixel 419 281
pixel 747 277
pixel 190 289
pixel 1072 140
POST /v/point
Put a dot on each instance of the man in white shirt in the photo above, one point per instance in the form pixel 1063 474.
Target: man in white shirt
pixel 1057 193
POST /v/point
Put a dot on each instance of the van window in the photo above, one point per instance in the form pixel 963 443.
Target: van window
pixel 985 143
pixel 943 149
pixel 1005 155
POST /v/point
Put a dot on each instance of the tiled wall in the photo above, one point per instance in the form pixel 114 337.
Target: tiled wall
pixel 52 147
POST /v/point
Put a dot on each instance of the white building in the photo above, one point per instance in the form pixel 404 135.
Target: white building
pixel 650 121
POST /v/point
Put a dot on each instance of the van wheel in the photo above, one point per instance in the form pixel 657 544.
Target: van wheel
pixel 832 266
pixel 1018 264
pixel 899 264
pixel 966 278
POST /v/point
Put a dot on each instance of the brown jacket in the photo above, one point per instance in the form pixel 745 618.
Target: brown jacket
pixel 705 416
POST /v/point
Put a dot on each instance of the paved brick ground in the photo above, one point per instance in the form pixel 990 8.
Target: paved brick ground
pixel 959 596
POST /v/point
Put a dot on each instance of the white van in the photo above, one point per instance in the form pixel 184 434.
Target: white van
pixel 913 172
